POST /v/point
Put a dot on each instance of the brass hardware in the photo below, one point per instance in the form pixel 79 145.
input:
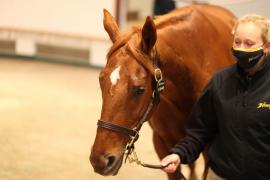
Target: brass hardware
pixel 158 75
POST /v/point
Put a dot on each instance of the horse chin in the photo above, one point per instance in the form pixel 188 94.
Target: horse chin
pixel 114 168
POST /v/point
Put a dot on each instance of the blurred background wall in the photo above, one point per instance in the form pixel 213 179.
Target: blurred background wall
pixel 71 31
pixel 239 7
pixel 48 111
pixel 60 30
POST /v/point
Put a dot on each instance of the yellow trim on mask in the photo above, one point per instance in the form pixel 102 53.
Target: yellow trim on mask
pixel 248 50
pixel 263 105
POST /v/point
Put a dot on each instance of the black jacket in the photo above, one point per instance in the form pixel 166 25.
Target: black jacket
pixel 233 116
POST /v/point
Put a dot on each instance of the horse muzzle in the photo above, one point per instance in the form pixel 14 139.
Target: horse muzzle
pixel 106 165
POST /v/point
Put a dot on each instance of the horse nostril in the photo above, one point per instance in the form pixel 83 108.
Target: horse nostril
pixel 110 160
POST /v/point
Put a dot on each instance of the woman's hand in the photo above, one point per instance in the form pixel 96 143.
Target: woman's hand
pixel 170 163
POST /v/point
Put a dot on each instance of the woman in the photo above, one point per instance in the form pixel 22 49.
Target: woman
pixel 232 114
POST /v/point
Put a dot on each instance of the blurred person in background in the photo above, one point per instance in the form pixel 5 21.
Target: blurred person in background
pixel 163 6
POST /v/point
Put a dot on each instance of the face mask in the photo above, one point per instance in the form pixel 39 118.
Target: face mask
pixel 247 58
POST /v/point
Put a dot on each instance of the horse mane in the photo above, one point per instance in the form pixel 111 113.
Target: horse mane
pixel 174 17
pixel 138 54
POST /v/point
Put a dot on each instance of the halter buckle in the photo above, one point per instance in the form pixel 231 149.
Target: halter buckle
pixel 158 75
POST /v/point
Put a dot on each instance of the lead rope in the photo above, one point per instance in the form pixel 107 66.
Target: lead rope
pixel 133 158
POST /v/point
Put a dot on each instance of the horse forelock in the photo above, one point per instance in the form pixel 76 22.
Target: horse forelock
pixel 143 59
pixel 132 42
pixel 122 41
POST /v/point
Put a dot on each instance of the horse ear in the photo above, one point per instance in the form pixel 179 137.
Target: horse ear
pixel 149 34
pixel 110 25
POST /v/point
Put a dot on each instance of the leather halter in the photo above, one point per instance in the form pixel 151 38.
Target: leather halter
pixel 133 133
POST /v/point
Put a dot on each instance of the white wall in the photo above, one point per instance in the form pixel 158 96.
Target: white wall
pixel 261 7
pixel 82 17
pixel 29 22
pixel 239 7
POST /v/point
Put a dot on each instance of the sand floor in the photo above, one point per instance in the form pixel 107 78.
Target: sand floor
pixel 48 115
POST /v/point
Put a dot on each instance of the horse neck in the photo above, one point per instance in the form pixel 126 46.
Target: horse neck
pixel 182 70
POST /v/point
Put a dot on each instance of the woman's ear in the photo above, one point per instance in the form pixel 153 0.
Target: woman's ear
pixel 266 48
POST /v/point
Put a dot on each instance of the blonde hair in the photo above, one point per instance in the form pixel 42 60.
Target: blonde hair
pixel 259 21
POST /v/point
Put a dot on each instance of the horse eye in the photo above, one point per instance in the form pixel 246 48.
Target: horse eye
pixel 137 90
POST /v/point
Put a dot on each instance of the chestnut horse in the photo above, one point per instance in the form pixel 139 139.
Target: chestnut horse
pixel 188 45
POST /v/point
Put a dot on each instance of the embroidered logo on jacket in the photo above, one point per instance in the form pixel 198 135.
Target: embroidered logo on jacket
pixel 264 105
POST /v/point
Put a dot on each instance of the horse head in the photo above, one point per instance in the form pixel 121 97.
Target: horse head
pixel 127 86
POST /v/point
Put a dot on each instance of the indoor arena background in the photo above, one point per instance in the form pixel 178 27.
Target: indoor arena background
pixel 51 53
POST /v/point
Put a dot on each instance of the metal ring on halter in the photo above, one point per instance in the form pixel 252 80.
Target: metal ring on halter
pixel 158 74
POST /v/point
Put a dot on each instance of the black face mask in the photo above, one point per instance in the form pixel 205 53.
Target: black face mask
pixel 247 58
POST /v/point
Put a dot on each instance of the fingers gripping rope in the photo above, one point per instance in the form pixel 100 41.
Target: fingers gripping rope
pixel 132 157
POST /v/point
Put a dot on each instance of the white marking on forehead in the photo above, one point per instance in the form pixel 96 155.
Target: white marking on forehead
pixel 115 75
